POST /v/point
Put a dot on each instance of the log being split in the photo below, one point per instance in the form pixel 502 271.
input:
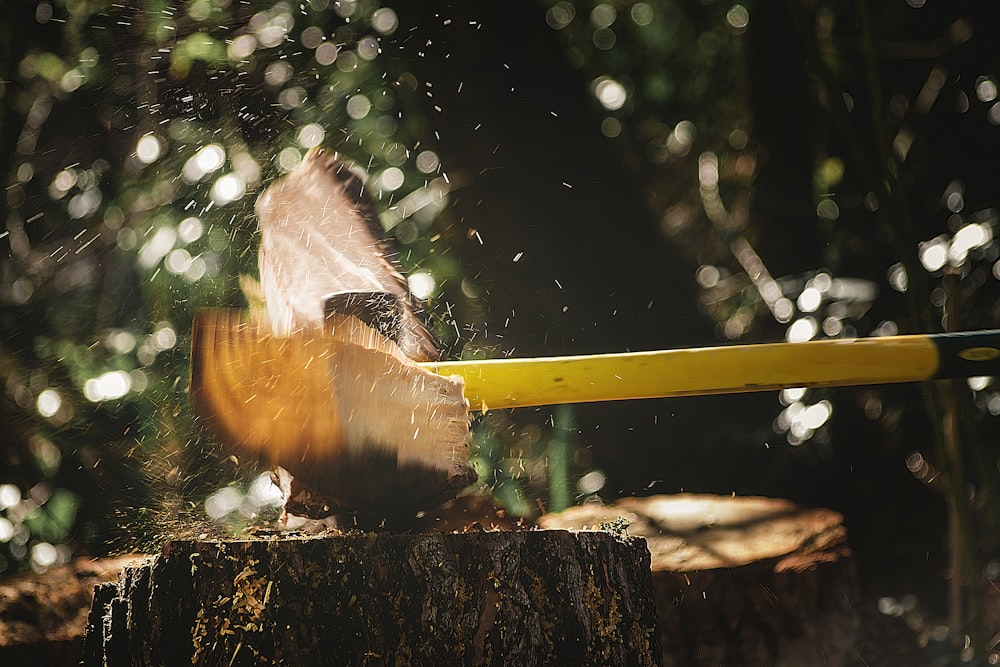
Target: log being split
pixel 482 598
pixel 358 424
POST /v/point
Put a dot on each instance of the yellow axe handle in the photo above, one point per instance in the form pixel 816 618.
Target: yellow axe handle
pixel 509 383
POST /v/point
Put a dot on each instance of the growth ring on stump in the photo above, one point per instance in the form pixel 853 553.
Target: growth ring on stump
pixel 748 581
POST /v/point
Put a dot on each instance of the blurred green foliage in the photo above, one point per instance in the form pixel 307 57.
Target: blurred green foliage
pixel 138 135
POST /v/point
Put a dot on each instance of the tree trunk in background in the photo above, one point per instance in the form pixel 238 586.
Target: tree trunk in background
pixel 783 216
pixel 532 174
pixel 485 598
pixel 742 582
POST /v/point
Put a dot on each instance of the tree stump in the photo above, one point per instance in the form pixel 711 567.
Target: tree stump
pixel 740 581
pixel 478 598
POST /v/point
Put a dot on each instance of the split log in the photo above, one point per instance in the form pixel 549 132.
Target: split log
pixel 479 598
pixel 740 581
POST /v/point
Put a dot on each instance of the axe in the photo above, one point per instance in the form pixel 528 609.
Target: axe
pixel 337 379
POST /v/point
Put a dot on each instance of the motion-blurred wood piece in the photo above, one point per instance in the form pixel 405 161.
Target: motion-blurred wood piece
pixel 355 422
pixel 478 598
pixel 740 581
pixel 321 238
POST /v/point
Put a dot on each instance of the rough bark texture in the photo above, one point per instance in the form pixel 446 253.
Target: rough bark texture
pixel 741 582
pixel 485 598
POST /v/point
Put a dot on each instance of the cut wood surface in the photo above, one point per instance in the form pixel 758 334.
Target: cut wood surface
pixel 477 598
pixel 740 580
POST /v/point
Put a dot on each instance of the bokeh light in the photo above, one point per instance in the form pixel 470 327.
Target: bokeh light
pixel 738 18
pixel 157 247
pixel 271 27
pixel 707 276
pixel 229 500
pixel 591 482
pixel 391 179
pixel 10 495
pixel 48 403
pixel 43 556
pixel 6 530
pixel 148 148
pixel 108 386
pixel 611 127
pixel 164 337
pixel 802 329
pixel 358 107
pixel 177 261
pixel 966 239
pixel 827 209
pixel 205 161
pixel 800 421
pixel 986 89
pixel 979 383
pixel 312 37
pixel 897 278
pixel 603 15
pixel 934 254
pixel 790 395
pixel 190 229
pixel 120 341
pixel 288 159
pixel 560 15
pixel 241 47
pixel 783 310
pixel 809 300
pixel 368 48
pixel 228 188
pixel 311 135
pixel 385 20
pixel 326 53
pixel 278 73
pixel 610 93
pixel 422 285
pixel 427 162
pixel 642 13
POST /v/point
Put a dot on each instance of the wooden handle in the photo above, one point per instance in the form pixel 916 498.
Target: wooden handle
pixel 508 383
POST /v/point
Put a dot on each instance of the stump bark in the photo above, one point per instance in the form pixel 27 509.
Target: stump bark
pixel 739 581
pixel 483 598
